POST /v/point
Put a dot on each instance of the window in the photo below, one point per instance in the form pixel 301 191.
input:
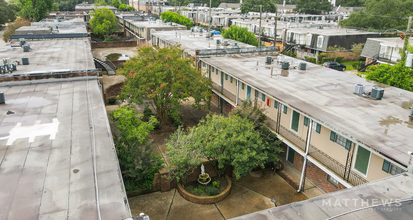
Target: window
pixel 256 93
pixel 305 121
pixel 332 180
pixel 295 121
pixel 285 109
pixel 263 97
pixel 216 71
pixel 340 140
pixel 230 79
pixel 275 104
pixel 242 86
pixel 317 127
pixel 226 76
pixel 213 69
pixel 203 64
pixel 391 168
pixel 320 41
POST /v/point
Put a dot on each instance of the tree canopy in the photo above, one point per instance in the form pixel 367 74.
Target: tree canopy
pixel 350 3
pixel 166 78
pixel 137 163
pixel 240 34
pixel 103 22
pixel 170 16
pixel 35 10
pixel 381 15
pixel 7 12
pixel 315 7
pixel 254 5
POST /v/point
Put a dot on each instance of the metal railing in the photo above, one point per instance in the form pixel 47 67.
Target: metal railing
pixel 335 166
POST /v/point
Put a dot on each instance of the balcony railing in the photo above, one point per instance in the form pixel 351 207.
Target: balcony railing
pixel 329 162
pixel 229 95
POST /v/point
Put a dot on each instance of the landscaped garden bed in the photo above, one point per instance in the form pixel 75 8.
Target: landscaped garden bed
pixel 200 194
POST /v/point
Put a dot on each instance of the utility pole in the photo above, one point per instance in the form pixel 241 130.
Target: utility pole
pixel 209 19
pixel 259 30
pixel 275 25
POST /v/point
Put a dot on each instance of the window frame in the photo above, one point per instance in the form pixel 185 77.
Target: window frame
pixel 275 104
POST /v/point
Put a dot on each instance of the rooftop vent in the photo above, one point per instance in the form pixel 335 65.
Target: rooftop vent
pixel 359 89
pixel 225 43
pixel 377 93
pixel 268 59
pixel 2 99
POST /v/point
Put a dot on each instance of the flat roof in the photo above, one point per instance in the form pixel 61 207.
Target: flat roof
pixel 51 56
pixel 153 24
pixel 192 41
pixel 327 96
pixel 391 41
pixel 389 198
pixel 331 31
pixel 47 148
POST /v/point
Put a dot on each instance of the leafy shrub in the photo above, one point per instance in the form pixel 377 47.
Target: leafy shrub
pixel 170 16
pixel 199 191
pixel 11 28
pixel 327 59
pixel 216 184
pixel 112 100
pixel 147 113
pixel 339 59
pixel 240 34
pixel 113 37
pixel 212 191
pixel 312 60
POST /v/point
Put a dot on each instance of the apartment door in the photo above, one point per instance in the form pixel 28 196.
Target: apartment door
pixel 248 93
pixel 290 156
pixel 295 121
pixel 362 160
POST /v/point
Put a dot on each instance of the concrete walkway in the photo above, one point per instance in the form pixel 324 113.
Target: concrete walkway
pixel 249 194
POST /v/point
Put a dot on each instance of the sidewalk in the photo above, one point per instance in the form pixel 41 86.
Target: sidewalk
pixel 310 190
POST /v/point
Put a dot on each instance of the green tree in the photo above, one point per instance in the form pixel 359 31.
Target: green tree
pixel 166 78
pixel 314 7
pixel 381 15
pixel 254 5
pixel 115 3
pixel 397 75
pixel 123 7
pixel 137 163
pixel 240 34
pixel 350 3
pixel 35 10
pixel 224 141
pixel 170 16
pixel 256 114
pixel 11 28
pixel 103 22
pixel 7 12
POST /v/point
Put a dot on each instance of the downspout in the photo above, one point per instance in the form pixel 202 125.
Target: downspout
pixel 310 129
pixel 236 100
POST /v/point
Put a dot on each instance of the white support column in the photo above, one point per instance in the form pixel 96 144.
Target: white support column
pixel 236 100
pixel 307 148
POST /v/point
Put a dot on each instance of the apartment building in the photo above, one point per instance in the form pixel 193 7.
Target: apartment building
pixel 344 139
pixel 383 50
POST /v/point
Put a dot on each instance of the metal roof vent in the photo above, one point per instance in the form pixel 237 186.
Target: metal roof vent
pixel 359 89
pixel 2 99
pixel 377 93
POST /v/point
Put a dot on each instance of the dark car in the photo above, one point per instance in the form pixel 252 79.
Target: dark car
pixel 335 65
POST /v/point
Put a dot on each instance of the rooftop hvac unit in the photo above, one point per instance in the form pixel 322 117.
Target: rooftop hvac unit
pixel 285 65
pixel 377 93
pixel 225 43
pixel 2 99
pixel 302 66
pixel 25 61
pixel 268 59
pixel 218 41
pixel 359 89
pixel 26 48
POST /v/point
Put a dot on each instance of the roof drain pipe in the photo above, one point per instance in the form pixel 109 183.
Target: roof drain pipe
pixel 307 147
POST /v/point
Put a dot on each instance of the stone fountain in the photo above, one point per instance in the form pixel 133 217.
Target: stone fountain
pixel 204 177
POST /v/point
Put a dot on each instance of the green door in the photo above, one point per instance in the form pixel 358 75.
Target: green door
pixel 290 155
pixel 296 120
pixel 362 160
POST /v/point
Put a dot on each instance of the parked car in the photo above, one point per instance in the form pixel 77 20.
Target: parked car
pixel 334 65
